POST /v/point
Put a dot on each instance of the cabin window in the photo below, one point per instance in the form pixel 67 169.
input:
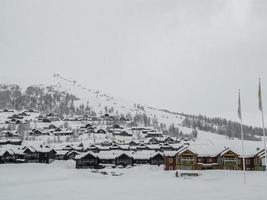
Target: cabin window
pixel 170 160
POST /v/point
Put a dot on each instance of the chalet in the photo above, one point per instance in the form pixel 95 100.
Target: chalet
pixel 7 156
pixel 183 159
pixel 169 160
pixel 123 159
pixel 186 159
pixel 45 155
pixel 228 160
pixel 30 155
pixel 157 159
pixel 258 161
pixel 87 160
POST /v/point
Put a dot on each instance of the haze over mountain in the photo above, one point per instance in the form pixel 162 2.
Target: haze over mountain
pixel 186 56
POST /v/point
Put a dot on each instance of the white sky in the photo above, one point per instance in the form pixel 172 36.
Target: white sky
pixel 188 56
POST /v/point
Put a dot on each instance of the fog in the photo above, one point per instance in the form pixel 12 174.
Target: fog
pixel 187 56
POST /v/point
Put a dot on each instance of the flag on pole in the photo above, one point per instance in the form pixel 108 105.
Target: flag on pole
pixel 239 106
pixel 242 135
pixel 259 95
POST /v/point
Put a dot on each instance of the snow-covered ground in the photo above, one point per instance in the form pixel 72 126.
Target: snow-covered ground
pixel 60 180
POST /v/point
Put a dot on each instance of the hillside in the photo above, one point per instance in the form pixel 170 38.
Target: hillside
pixel 69 98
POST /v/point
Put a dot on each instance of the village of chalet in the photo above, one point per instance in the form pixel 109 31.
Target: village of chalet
pixel 109 146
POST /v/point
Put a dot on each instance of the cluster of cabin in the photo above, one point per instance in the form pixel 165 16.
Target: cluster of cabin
pixel 175 156
pixel 27 154
pixel 188 158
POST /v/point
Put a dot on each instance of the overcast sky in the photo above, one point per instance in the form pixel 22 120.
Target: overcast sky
pixel 187 56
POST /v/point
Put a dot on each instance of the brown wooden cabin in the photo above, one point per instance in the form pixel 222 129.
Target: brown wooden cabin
pixel 228 160
pixel 186 160
pixel 183 159
pixel 169 160
pixel 124 160
pixel 87 160
pixel 257 162
pixel 253 162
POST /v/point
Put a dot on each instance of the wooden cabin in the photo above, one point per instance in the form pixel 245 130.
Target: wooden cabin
pixel 87 160
pixel 169 160
pixel 228 160
pixel 185 159
pixel 157 159
pixel 124 160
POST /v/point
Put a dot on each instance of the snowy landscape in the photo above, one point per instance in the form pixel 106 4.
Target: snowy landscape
pixel 61 181
pixel 133 100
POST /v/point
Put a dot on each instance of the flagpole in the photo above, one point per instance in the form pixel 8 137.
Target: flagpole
pixel 242 136
pixel 263 125
pixel 264 139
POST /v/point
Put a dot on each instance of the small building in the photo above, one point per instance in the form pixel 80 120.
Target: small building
pixel 228 160
pixel 87 160
pixel 123 159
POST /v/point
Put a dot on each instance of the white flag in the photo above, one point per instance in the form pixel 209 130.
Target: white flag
pixel 239 106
